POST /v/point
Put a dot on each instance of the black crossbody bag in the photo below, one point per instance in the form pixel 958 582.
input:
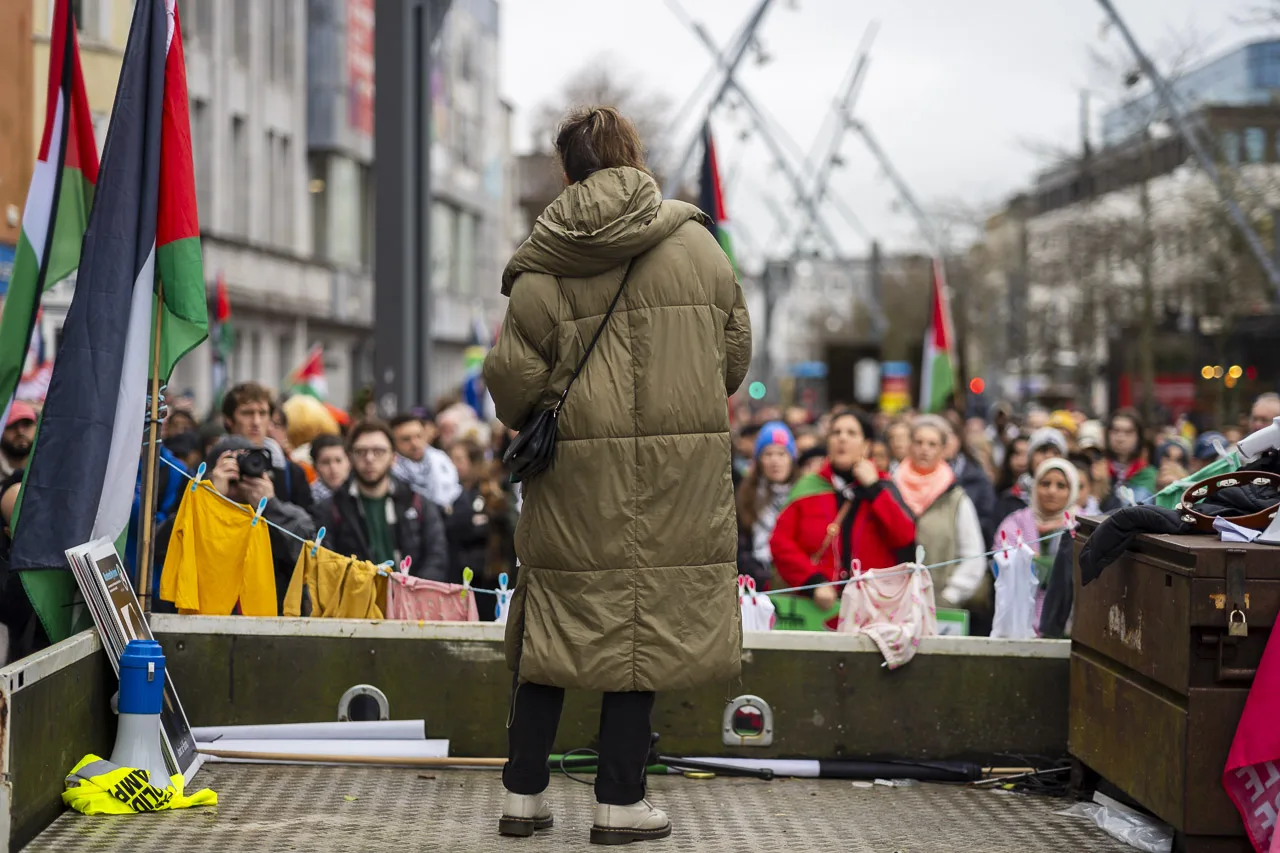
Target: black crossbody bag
pixel 533 450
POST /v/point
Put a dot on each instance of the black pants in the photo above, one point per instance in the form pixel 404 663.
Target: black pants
pixel 624 743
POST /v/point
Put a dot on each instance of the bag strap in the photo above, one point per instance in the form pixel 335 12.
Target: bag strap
pixel 599 331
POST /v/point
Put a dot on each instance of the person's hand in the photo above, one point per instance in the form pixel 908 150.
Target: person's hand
pixel 225 472
pixel 1170 473
pixel 257 488
pixel 866 473
pixel 825 597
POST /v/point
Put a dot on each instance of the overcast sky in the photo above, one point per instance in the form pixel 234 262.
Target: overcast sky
pixel 958 92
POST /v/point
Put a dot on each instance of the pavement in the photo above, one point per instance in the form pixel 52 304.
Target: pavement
pixel 318 809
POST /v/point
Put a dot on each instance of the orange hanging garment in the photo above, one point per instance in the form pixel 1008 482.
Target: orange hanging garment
pixel 217 557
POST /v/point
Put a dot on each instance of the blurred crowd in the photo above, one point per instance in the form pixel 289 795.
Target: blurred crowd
pixel 428 485
pixel 819 497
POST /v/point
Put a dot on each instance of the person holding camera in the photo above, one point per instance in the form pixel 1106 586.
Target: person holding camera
pixel 246 412
pixel 241 472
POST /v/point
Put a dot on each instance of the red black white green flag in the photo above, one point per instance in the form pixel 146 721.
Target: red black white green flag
pixel 58 202
pixel 142 236
pixel 711 195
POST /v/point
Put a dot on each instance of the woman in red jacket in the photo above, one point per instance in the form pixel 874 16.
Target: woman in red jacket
pixel 847 511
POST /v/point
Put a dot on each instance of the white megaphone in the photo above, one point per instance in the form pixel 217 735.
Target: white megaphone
pixel 141 698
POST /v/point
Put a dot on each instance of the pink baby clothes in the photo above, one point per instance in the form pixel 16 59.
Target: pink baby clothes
pixel 894 607
pixel 432 601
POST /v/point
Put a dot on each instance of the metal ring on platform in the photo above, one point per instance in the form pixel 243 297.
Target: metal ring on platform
pixel 748 721
pixel 344 704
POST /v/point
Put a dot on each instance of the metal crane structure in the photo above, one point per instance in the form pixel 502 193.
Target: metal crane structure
pixel 842 111
pixel 1186 127
pixel 923 222
pixel 762 121
pixel 728 68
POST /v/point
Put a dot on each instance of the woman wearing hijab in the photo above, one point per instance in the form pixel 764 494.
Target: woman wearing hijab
pixel 947 525
pixel 1054 499
pixel 761 498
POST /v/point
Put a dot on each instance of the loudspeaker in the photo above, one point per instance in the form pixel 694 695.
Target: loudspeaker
pixel 141 698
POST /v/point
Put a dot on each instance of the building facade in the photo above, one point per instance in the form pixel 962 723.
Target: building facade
pixel 1130 241
pixel 1247 76
pixel 247 77
pixel 474 188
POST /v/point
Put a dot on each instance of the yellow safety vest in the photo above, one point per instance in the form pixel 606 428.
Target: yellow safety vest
pixel 96 786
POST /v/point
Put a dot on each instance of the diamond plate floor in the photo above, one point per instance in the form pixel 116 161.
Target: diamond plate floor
pixel 289 808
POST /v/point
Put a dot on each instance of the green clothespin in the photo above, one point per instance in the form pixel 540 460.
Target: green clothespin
pixel 467 575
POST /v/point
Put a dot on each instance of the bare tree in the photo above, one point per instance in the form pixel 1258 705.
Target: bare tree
pixel 600 83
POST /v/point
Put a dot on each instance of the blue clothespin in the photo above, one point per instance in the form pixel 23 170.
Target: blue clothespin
pixel 503 595
pixel 388 564
pixel 319 538
pixel 920 555
pixel 199 476
pixel 262 504
pixel 467 575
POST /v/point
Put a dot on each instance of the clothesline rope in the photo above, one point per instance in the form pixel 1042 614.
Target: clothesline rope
pixel 879 573
pixel 906 570
pixel 249 511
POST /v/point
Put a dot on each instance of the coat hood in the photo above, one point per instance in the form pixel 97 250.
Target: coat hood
pixel 598 224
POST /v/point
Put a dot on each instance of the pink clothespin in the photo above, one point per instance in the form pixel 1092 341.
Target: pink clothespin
pixel 751 589
pixel 1004 544
pixel 855 570
pixel 1070 525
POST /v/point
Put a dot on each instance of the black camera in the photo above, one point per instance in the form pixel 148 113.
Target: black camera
pixel 255 462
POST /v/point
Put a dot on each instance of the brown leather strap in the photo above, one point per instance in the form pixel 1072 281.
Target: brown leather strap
pixel 833 530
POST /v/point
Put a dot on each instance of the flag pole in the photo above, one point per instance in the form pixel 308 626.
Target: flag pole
pixel 147 515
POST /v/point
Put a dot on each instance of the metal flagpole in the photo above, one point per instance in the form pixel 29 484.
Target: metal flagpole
pixel 1188 133
pixel 147 514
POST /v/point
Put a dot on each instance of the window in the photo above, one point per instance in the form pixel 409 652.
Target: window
pixel 466 277
pixel 88 17
pixel 273 41
pixel 1255 145
pixel 197 23
pixel 284 204
pixel 242 30
pixel 443 261
pixel 287 27
pixel 100 124
pixel 240 177
pixel 1230 142
pixel 200 143
pixel 318 190
pixel 270 187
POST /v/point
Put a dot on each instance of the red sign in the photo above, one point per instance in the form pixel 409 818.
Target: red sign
pixel 1174 392
pixel 360 66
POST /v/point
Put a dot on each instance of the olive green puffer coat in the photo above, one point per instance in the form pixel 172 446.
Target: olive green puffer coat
pixel 627 544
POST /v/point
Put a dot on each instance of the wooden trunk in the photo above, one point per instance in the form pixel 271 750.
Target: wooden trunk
pixel 1158 684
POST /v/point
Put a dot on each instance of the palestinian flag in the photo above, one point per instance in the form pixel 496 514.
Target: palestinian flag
pixel 711 196
pixel 308 378
pixel 224 341
pixel 58 202
pixel 937 371
pixel 143 234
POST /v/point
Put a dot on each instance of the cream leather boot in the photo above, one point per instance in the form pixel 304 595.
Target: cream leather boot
pixel 624 824
pixel 524 813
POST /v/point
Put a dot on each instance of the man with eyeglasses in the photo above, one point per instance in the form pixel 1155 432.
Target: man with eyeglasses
pixel 377 517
